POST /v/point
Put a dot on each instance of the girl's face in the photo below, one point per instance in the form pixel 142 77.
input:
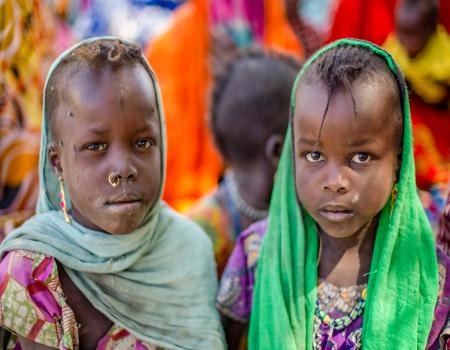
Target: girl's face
pixel 344 178
pixel 108 125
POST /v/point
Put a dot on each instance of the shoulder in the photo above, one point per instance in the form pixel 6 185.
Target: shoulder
pixel 186 240
pixel 214 219
pixel 192 235
pixel 236 285
pixel 208 204
pixel 209 213
pixel 248 245
pixel 32 302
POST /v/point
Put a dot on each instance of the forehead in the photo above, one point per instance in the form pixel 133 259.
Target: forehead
pixel 91 85
pixel 92 93
pixel 370 114
pixel 412 18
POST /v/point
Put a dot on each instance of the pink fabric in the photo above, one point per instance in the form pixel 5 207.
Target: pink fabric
pixel 38 275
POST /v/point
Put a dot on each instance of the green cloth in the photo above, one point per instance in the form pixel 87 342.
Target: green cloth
pixel 158 282
pixel 403 280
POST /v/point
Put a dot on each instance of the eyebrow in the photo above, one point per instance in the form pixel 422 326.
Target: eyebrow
pixel 146 128
pixel 308 141
pixel 96 131
pixel 149 125
pixel 361 141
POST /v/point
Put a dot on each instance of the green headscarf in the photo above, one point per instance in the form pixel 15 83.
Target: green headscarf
pixel 158 282
pixel 403 280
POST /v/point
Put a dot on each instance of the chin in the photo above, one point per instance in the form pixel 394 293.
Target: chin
pixel 338 230
pixel 122 229
pixel 338 234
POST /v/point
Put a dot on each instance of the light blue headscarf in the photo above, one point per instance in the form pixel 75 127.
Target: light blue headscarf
pixel 158 281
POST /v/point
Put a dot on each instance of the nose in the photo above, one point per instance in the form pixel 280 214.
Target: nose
pixel 123 170
pixel 336 181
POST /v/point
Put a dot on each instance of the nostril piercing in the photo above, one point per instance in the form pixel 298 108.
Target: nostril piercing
pixel 114 180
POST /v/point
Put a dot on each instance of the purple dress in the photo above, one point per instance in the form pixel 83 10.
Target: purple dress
pixel 235 295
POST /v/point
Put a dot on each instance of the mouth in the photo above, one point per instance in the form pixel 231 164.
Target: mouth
pixel 124 204
pixel 336 213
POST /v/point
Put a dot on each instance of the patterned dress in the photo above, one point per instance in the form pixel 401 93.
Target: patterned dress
pixel 236 292
pixel 221 221
pixel 33 305
pixel 443 237
pixel 215 221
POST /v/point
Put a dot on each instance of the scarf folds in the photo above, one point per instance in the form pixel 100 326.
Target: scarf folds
pixel 403 280
pixel 158 281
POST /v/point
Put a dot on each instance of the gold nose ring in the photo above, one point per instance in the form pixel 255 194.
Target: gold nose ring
pixel 114 180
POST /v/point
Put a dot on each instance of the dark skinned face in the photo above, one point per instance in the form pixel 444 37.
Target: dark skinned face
pixel 413 29
pixel 108 125
pixel 344 179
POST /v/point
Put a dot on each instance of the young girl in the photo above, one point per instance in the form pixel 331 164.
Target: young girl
pixel 349 259
pixel 106 265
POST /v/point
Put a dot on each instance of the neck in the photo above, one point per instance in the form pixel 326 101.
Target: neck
pixel 346 261
pixel 254 186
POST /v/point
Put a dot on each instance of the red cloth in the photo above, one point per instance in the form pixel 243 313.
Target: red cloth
pixel 437 120
pixel 372 20
pixel 431 127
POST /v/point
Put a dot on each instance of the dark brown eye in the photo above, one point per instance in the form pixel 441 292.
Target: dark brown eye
pixel 314 157
pixel 361 158
pixel 144 143
pixel 96 146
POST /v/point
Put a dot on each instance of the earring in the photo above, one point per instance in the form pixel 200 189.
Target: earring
pixel 114 180
pixel 62 197
pixel 394 195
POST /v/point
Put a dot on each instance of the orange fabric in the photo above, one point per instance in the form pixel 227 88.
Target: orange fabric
pixel 278 33
pixel 431 127
pixel 19 155
pixel 180 58
pixel 430 167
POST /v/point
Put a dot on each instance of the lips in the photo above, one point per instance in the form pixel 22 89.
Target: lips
pixel 124 203
pixel 336 213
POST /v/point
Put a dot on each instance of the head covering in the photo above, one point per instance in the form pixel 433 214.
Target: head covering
pixel 403 280
pixel 158 281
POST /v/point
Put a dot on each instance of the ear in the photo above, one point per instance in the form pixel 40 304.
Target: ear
pixel 54 156
pixel 274 145
pixel 398 164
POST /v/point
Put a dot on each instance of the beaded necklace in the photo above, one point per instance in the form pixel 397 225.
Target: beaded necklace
pixel 344 321
pixel 243 207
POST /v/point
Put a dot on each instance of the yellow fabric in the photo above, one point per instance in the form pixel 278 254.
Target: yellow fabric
pixel 27 30
pixel 428 72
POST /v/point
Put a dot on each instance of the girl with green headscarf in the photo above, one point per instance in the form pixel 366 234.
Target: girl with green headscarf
pixel 106 264
pixel 348 259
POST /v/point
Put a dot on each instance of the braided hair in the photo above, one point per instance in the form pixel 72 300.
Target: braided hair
pixel 340 67
pixel 250 103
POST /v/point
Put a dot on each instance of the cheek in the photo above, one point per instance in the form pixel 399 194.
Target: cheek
pixel 84 181
pixel 304 185
pixel 150 173
pixel 373 193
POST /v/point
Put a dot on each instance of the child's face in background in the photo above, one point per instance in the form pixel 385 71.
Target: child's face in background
pixel 414 28
pixel 346 178
pixel 109 126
